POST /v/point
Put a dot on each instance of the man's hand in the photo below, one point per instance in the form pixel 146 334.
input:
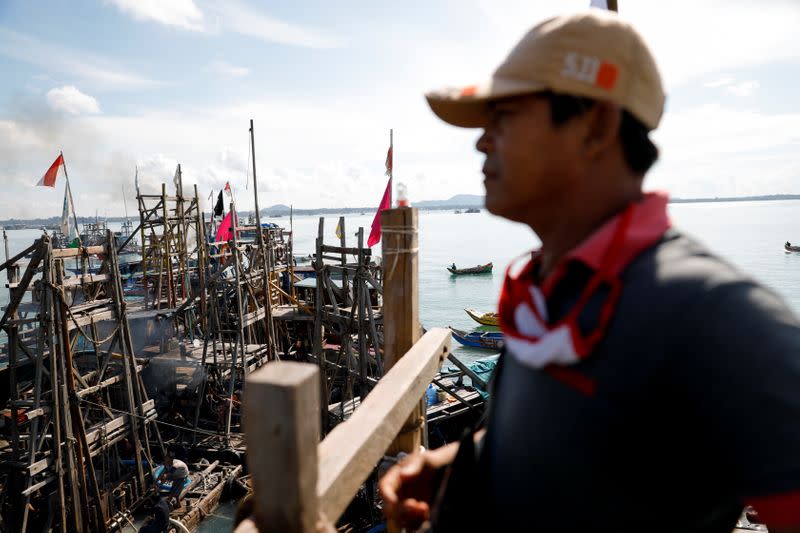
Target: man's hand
pixel 407 488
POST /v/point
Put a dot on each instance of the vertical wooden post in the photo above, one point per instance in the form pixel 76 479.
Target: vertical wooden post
pixel 401 307
pixel 319 301
pixel 282 444
pixel 343 244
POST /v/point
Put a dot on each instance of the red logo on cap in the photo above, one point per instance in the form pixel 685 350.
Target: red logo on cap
pixel 607 76
pixel 469 90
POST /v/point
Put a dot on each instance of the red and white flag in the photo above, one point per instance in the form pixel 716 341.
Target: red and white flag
pixel 228 188
pixel 49 178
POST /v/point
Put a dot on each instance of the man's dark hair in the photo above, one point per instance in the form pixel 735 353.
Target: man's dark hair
pixel 640 152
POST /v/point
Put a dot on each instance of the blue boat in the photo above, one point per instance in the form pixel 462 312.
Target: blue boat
pixel 490 340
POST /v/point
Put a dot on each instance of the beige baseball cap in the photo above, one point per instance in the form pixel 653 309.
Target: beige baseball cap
pixel 593 54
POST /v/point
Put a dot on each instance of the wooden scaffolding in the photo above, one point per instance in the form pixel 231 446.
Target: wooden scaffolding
pixel 79 453
pixel 347 308
pixel 172 235
pixel 246 282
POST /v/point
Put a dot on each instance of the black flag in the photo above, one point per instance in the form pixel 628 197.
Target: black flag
pixel 218 207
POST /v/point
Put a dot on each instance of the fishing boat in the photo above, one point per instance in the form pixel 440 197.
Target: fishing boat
pixel 473 210
pixel 491 340
pixel 487 319
pixel 480 269
pixel 789 248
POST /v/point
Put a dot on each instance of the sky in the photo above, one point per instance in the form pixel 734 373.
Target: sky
pixel 121 84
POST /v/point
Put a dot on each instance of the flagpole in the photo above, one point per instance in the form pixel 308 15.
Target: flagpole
pixel 391 166
pixel 259 236
pixel 71 201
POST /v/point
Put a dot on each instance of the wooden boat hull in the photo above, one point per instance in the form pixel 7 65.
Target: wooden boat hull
pixel 489 340
pixel 480 269
pixel 486 319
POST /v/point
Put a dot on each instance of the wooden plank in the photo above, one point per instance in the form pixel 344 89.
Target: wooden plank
pixel 88 319
pixel 106 383
pixel 350 452
pixel 74 252
pixel 342 250
pixel 401 305
pixel 94 433
pixel 84 279
pixel 253 316
pixel 39 466
pixel 282 444
pixel 33 488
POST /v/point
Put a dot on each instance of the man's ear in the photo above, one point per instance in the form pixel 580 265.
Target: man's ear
pixel 604 119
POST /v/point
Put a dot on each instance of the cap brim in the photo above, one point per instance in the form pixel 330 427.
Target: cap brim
pixel 468 107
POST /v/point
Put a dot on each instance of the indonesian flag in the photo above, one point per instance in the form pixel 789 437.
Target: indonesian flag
pixel 49 178
pixel 389 162
pixel 386 203
pixel 228 188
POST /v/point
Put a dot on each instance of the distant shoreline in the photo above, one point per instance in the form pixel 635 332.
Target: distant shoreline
pixel 283 211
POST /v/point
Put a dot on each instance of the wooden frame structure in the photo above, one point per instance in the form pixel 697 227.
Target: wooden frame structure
pixel 345 308
pixel 172 236
pixel 300 482
pixel 77 404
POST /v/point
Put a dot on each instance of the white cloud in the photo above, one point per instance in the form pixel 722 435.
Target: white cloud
pixel 225 69
pixel 712 150
pixel 71 100
pixel 234 16
pixel 744 88
pixel 73 62
pixel 720 82
pixel 181 13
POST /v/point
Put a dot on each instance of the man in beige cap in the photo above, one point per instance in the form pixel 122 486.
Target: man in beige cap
pixel 646 385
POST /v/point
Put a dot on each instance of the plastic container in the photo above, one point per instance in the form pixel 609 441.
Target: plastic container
pixel 430 396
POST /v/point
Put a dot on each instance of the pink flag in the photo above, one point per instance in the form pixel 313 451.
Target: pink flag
pixel 386 203
pixel 225 231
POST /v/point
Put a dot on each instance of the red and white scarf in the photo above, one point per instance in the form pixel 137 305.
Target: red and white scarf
pixel 528 332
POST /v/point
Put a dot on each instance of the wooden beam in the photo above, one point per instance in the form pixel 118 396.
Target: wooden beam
pixel 23 253
pixel 350 452
pixel 74 252
pixel 282 444
pixel 476 380
pixel 401 306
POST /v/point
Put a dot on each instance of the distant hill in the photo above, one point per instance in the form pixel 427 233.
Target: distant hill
pixel 277 209
pixel 459 200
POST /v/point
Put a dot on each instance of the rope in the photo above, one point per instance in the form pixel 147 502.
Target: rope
pixel 398 230
pixel 75 321
pixel 184 428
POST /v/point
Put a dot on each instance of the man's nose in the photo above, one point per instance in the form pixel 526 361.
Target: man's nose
pixel 485 142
